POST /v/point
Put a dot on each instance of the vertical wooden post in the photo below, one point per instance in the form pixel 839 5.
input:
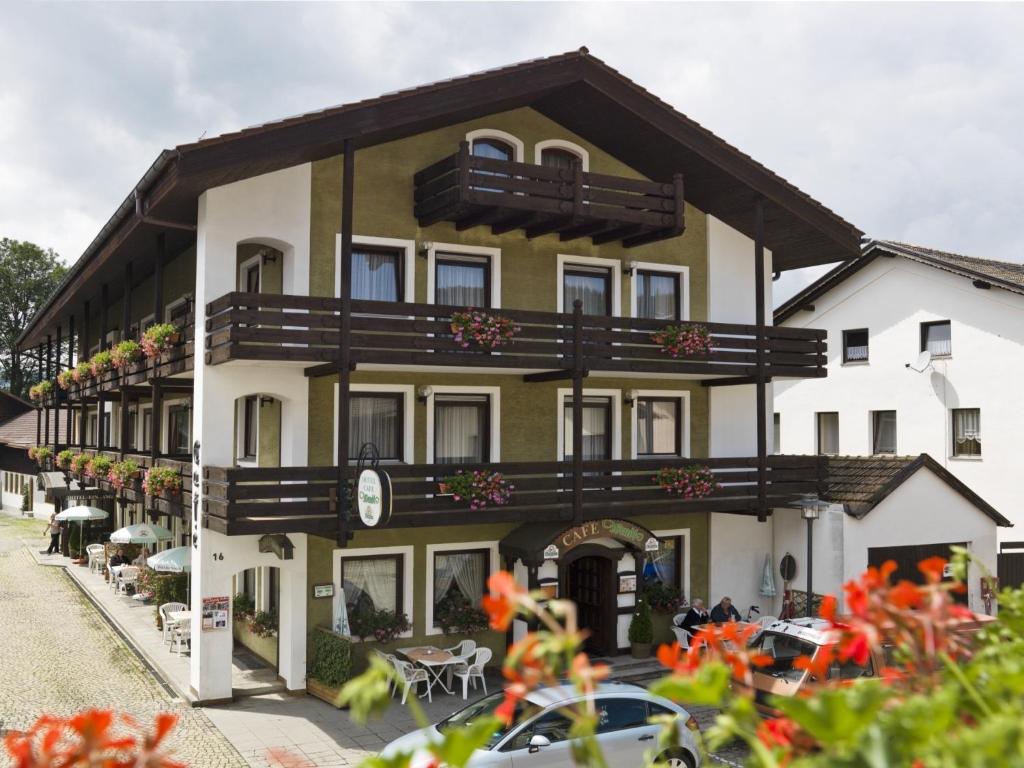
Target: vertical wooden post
pixel 71 364
pixel 344 348
pixel 56 390
pixel 122 442
pixel 39 411
pixel 158 312
pixel 49 375
pixel 155 419
pixel 102 438
pixel 762 395
pixel 158 278
pixel 83 354
pixel 577 411
pixel 463 172
pixel 126 302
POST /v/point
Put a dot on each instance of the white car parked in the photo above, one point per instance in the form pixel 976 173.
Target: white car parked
pixel 539 734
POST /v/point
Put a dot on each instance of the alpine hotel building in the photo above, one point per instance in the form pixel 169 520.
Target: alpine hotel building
pixel 319 270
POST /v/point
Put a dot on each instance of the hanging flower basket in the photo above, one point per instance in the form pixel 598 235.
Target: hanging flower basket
pixel 480 488
pixel 65 379
pixel 160 480
pixel 100 363
pixel 82 373
pixel 122 472
pixel 98 467
pixel 42 455
pixel 39 392
pixel 125 353
pixel 79 462
pixel 64 458
pixel 693 482
pixel 159 339
pixel 480 328
pixel 684 340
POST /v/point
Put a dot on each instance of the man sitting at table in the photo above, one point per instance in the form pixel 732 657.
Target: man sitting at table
pixel 142 558
pixel 118 558
pixel 724 612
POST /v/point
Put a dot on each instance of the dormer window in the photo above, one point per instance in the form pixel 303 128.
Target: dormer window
pixel 557 153
pixel 494 144
pixel 492 148
pixel 558 158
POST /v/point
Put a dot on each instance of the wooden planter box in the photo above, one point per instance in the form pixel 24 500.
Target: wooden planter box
pixel 323 692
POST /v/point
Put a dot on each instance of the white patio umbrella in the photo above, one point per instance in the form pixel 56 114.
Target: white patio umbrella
pixel 82 514
pixel 177 560
pixel 341 625
pixel 140 533
pixel 768 578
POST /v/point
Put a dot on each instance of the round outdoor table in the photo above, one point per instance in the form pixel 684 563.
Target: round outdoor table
pixel 434 661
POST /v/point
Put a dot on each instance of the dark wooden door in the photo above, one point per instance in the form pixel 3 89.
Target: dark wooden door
pixel 908 557
pixel 1011 569
pixel 590 587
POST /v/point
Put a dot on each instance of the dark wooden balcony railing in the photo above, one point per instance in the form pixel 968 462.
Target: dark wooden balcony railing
pixel 252 326
pixel 471 191
pixel 298 499
pixel 179 505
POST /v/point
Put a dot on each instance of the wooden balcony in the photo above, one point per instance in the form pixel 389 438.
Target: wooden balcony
pixel 472 191
pixel 241 501
pixel 179 505
pixel 304 329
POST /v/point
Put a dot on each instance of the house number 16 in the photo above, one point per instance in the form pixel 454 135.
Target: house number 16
pixel 218 555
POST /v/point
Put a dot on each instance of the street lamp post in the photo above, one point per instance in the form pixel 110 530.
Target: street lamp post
pixel 810 509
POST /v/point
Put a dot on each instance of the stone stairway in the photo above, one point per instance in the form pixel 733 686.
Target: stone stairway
pixel 626 669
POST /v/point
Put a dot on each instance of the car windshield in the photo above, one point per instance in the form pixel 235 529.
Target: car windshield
pixel 484 708
pixel 783 650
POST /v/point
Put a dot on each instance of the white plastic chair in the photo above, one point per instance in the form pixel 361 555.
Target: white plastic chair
pixel 165 611
pixel 95 553
pixel 470 672
pixel 128 577
pixel 181 634
pixel 677 620
pixel 464 649
pixel 410 676
pixel 681 635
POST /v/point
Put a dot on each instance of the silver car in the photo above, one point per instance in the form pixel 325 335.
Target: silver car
pixel 539 734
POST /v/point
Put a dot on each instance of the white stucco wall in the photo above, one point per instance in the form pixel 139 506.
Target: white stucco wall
pixel 892 297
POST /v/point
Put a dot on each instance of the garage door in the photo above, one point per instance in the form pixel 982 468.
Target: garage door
pixel 907 558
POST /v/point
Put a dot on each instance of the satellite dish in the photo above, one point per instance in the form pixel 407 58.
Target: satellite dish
pixel 923 361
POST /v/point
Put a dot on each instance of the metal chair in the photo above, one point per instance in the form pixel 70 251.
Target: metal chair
pixel 410 676
pixel 165 611
pixel 470 672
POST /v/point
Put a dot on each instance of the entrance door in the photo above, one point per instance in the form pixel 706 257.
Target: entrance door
pixel 590 584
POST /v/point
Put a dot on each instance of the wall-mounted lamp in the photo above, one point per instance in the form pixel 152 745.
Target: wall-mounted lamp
pixel 266 400
pixel 631 267
pixel 423 392
pixel 426 247
pixel 631 396
pixel 269 257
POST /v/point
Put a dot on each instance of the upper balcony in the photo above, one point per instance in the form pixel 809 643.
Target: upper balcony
pixel 471 191
pixel 304 329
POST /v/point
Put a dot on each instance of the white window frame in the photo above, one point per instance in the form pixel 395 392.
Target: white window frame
pixel 682 273
pixel 951 432
pixel 177 303
pixel 242 460
pixel 684 412
pixel 244 267
pixel 494 400
pixel 408 562
pixel 456 249
pixel 140 426
pixel 408 391
pixel 568 146
pixel 518 148
pixel 407 247
pixel 565 393
pixel 685 534
pixel 567 260
pixel 165 423
pixel 494 565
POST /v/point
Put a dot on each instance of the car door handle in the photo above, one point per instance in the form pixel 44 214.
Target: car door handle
pixel 646 737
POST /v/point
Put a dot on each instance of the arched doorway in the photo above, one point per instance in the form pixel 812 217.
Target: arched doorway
pixel 588 579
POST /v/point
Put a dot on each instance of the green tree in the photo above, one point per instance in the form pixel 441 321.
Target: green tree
pixel 28 276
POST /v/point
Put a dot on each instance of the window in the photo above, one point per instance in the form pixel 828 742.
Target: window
pixel 133 420
pixel 460 579
pixel 251 275
pixel 91 431
pixel 177 313
pixel 463 281
pixel 776 433
pixel 937 338
pixel 273 589
pixel 147 429
pixel 377 419
pixel 106 427
pixel 179 429
pixel 658 426
pixel 377 274
pixel 372 583
pixel 495 149
pixel 883 432
pixel 250 427
pixel 597 428
pixel 556 157
pixel 664 566
pixel 657 295
pixel 828 433
pixel 966 432
pixel 620 714
pixel 592 285
pixel 555 726
pixel 249 583
pixel 461 429
pixel 855 346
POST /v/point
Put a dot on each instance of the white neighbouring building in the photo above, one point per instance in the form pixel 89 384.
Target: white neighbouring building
pixel 960 403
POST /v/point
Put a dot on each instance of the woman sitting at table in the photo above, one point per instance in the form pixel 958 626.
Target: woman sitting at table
pixel 118 559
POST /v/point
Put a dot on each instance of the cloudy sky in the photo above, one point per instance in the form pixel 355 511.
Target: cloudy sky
pixel 905 119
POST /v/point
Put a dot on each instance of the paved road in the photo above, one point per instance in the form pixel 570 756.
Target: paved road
pixel 60 657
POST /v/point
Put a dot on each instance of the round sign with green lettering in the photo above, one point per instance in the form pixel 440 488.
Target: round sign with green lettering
pixel 373 497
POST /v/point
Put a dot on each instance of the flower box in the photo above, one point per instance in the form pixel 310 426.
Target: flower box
pixel 483 329
pixel 685 340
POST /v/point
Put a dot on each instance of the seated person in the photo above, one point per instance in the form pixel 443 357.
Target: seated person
pixel 724 612
pixel 118 559
pixel 696 616
pixel 141 559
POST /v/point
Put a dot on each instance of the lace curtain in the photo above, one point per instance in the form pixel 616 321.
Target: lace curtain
pixel 461 283
pixel 592 289
pixel 657 426
pixel 885 432
pixel 374 420
pixel 466 570
pixel 656 296
pixel 374 276
pixel 377 577
pixel 596 440
pixel 967 432
pixel 459 430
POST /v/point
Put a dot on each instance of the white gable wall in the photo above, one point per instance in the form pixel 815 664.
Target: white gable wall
pixel 892 297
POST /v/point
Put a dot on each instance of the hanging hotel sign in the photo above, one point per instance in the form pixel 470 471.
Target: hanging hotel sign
pixel 373 497
pixel 651 545
pixel 628 533
pixel 551 552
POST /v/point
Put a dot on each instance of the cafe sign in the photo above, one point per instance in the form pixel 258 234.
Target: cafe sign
pixel 628 533
pixel 373 497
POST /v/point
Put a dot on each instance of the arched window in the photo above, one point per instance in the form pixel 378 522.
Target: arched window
pixel 555 157
pixel 495 149
pixel 558 153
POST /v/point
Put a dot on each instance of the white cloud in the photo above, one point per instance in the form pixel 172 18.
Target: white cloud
pixel 902 118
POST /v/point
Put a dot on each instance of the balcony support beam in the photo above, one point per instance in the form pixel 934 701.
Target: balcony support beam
pixel 102 438
pixel 49 376
pixel 126 302
pixel 577 411
pixel 56 390
pixel 83 355
pixel 343 499
pixel 71 364
pixel 39 411
pixel 158 279
pixel 759 375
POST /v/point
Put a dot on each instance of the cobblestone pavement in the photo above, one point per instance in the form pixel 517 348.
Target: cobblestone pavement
pixel 59 657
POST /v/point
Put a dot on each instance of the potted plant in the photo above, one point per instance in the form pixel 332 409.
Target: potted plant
pixel 65 379
pixel 692 482
pixel 159 338
pixel 381 625
pixel 161 480
pixel 122 472
pixel 41 391
pixel 243 607
pixel 64 459
pixel 82 373
pixel 330 665
pixel 480 488
pixel 684 340
pixel 263 624
pixel 457 616
pixel 125 353
pixel 483 329
pixel 79 462
pixel 43 455
pixel 641 631
pixel 98 467
pixel 100 363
